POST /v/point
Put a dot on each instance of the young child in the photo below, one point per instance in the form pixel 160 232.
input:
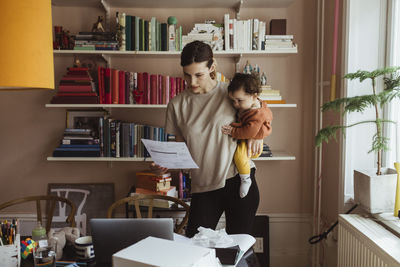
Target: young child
pixel 254 122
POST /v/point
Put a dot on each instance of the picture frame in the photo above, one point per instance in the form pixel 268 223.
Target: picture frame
pixel 91 200
pixel 85 119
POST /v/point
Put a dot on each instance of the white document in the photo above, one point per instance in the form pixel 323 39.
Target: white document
pixel 171 155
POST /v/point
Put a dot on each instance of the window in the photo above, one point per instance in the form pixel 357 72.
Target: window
pixel 366 46
pixel 393 111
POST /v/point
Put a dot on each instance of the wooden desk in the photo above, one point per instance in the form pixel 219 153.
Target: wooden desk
pixel 249 259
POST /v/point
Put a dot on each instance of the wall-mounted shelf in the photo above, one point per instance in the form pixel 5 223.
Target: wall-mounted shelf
pixel 278 155
pixel 176 3
pixel 269 51
pixel 97 159
pixel 139 106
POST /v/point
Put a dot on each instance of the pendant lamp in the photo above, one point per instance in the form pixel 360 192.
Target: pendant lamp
pixel 26 50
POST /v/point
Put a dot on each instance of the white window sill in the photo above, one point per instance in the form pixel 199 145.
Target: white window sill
pixel 389 220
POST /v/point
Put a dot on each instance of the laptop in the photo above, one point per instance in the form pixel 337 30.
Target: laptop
pixel 113 234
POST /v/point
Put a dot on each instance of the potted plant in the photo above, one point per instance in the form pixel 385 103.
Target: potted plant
pixel 374 189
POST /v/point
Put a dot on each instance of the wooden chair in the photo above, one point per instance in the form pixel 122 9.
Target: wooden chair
pixel 135 200
pixel 51 201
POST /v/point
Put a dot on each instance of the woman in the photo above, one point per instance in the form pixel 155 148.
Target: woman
pixel 195 117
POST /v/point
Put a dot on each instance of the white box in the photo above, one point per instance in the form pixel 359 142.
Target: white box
pixel 152 252
pixel 10 255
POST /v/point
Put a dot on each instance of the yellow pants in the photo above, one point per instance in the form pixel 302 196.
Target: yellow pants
pixel 241 159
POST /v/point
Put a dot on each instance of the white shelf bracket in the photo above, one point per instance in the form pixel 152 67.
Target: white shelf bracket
pixel 237 62
pixel 239 6
pixel 106 7
pixel 107 59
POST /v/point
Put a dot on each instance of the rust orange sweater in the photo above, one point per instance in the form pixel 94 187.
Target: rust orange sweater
pixel 254 123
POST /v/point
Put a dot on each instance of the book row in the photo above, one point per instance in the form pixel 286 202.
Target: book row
pixel 124 87
pixel 136 33
pixel 112 138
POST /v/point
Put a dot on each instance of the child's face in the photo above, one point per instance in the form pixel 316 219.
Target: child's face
pixel 241 100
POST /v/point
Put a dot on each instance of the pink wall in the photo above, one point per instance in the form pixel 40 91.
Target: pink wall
pixel 30 131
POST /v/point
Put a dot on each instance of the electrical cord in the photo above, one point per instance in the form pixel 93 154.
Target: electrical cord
pixel 317 238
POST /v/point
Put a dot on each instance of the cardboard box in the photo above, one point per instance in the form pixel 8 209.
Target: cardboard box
pixel 152 251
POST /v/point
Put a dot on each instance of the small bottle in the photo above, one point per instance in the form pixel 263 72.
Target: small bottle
pixel 39 235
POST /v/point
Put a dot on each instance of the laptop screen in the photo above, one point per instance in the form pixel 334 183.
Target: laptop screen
pixel 112 235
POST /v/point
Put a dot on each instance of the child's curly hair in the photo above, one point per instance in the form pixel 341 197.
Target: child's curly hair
pixel 249 82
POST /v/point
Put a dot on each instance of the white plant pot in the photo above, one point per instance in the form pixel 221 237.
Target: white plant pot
pixel 375 193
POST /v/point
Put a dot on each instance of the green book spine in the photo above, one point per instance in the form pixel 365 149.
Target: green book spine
pixel 141 35
pixel 137 35
pixel 146 35
pixel 128 36
pixel 133 33
pixel 158 36
pixel 153 26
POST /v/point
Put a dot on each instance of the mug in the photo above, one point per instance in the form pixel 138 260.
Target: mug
pixel 84 248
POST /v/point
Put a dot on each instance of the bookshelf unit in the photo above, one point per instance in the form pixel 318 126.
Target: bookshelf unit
pixel 109 56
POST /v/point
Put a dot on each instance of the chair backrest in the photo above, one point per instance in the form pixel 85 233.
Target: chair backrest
pixel 136 201
pixel 51 203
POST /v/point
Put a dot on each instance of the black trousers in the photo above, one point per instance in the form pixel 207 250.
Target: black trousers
pixel 206 208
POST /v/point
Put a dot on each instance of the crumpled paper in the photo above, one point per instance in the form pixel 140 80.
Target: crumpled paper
pixel 207 237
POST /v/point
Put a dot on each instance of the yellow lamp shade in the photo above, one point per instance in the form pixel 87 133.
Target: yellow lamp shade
pixel 26 49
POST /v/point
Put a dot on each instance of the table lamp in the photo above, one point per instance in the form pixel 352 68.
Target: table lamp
pixel 26 50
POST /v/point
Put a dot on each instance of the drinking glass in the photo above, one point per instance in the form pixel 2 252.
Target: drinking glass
pixel 45 255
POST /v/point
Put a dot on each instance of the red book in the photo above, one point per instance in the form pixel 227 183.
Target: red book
pixel 178 86
pixel 75 88
pixel 77 77
pixel 121 85
pixel 100 79
pixel 114 86
pixel 75 82
pixel 171 87
pixel 77 94
pixel 163 87
pixel 159 90
pixel 153 89
pixel 78 73
pixel 166 90
pixel 139 93
pixel 146 88
pixel 107 85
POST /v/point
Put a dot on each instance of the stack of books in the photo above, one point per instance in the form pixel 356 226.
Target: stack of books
pixel 271 96
pixel 279 41
pixel 95 41
pixel 208 33
pixel 152 184
pixel 76 87
pixel 266 151
pixel 78 143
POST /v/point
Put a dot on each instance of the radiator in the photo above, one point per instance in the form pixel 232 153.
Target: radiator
pixel 362 242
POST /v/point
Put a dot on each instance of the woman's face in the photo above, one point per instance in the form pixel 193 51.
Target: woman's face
pixel 197 76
